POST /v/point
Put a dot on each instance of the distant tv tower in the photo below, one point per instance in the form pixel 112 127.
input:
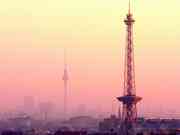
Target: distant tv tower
pixel 65 78
pixel 129 98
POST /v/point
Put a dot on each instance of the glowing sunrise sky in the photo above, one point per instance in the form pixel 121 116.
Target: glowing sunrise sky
pixel 33 34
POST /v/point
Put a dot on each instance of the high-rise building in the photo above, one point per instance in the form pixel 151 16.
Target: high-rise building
pixel 29 105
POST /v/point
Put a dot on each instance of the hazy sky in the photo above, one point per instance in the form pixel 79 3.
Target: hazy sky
pixel 33 34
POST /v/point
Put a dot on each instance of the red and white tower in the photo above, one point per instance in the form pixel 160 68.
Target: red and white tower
pixel 129 98
pixel 65 78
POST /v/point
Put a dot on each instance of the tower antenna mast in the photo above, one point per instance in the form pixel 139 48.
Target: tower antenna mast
pixel 129 6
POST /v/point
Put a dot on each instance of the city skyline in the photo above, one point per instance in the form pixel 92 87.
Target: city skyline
pixel 34 34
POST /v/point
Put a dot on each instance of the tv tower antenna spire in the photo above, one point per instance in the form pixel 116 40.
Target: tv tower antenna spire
pixel 129 98
pixel 129 10
pixel 65 78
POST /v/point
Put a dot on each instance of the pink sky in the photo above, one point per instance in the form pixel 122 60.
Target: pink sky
pixel 34 33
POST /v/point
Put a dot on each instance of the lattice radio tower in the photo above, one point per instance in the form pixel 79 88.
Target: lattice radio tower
pixel 129 98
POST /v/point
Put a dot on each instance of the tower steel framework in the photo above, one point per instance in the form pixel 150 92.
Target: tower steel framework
pixel 129 98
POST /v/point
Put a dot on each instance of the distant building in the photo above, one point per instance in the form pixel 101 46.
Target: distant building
pixel 81 110
pixel 158 126
pixel 46 109
pixel 83 123
pixel 29 105
pixel 71 133
pixel 21 122
pixel 109 124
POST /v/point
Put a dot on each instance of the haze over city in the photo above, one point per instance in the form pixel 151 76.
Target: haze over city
pixel 35 33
